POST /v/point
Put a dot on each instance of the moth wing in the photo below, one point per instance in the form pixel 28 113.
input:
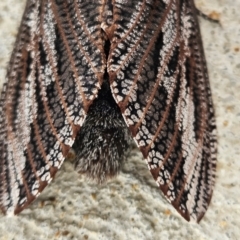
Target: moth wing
pixel 54 75
pixel 159 80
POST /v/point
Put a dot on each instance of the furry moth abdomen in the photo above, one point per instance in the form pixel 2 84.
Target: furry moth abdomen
pixel 97 72
pixel 102 143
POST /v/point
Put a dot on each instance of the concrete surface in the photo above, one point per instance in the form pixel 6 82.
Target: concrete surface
pixel 130 206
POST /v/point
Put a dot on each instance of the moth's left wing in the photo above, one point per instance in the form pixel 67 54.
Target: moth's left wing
pixel 54 74
pixel 159 80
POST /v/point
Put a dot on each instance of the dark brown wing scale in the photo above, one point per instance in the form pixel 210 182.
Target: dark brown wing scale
pixel 157 73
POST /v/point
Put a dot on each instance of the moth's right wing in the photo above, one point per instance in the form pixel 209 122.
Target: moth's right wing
pixel 159 80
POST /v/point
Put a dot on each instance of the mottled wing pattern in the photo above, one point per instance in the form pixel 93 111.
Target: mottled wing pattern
pixel 159 79
pixel 55 72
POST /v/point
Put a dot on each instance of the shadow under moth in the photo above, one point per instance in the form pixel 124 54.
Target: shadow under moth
pixel 93 74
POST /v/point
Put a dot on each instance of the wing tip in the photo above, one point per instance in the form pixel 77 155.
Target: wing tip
pixel 10 211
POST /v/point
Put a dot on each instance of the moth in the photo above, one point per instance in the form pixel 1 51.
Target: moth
pixel 92 75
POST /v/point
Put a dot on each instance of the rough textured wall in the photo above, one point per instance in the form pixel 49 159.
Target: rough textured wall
pixel 130 206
